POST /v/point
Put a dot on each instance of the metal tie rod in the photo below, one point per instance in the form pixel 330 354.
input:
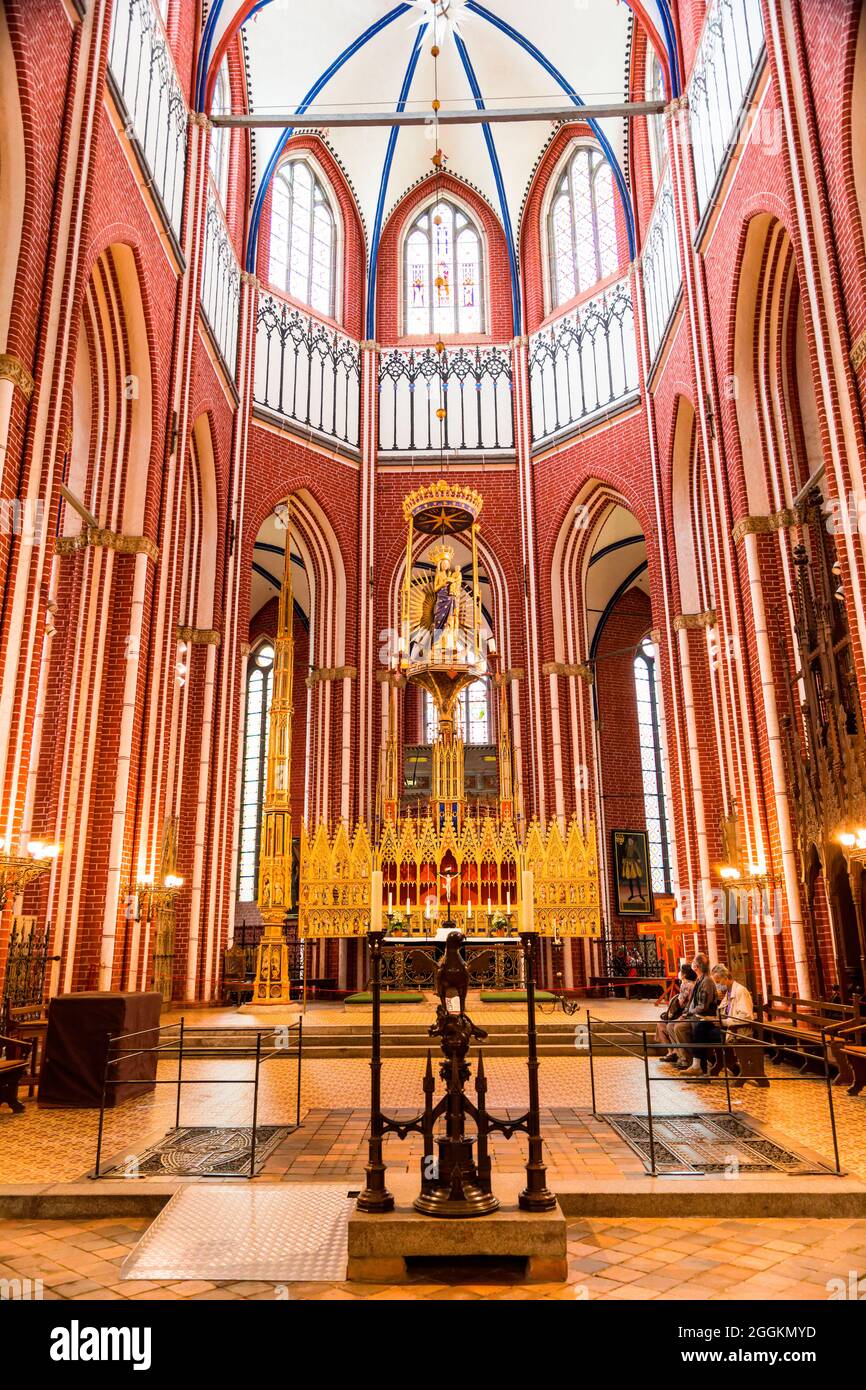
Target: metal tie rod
pixel 334 120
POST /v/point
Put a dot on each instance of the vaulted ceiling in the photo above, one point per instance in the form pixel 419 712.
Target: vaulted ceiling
pixel 286 58
pixel 505 52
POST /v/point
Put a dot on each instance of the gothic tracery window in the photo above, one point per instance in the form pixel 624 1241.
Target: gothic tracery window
pixel 443 272
pixel 652 774
pixel 256 723
pixel 582 226
pixel 471 715
pixel 220 136
pixel 655 91
pixel 303 238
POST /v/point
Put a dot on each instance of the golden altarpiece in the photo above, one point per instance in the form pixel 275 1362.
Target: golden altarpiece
pixel 449 861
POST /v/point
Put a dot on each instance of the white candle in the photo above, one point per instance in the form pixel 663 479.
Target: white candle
pixel 508 902
pixel 390 902
pixel 488 905
pixel 376 900
pixel 469 910
pixel 528 885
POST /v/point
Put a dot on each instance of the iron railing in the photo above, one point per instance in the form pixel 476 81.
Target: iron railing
pixel 307 371
pixel 221 284
pixel 662 268
pixel 146 86
pixel 583 363
pixel 631 957
pixel 27 960
pixel 473 385
pixel 730 50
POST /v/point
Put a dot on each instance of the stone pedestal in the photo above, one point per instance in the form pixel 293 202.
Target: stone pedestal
pixel 379 1246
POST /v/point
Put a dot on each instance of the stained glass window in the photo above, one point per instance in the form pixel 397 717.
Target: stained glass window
pixel 582 225
pixel 220 135
pixel 471 715
pixel 303 238
pixel 651 767
pixel 655 91
pixel 256 725
pixel 443 273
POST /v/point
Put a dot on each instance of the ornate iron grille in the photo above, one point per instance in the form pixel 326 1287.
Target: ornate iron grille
pixel 26 963
pixel 662 270
pixel 147 87
pixel 584 362
pixel 306 371
pixel 731 48
pixel 221 285
pixel 631 957
pixel 474 386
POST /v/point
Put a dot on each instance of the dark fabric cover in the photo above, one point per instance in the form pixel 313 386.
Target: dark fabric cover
pixel 76 1046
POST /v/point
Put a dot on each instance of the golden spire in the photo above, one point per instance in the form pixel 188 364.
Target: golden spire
pixel 275 858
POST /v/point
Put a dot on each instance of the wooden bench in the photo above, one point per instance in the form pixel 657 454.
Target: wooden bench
pixel 14 1061
pixel 848 1049
pixel 791 1024
pixel 28 1023
pixel 629 982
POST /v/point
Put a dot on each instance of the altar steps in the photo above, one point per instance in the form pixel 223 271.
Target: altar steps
pixel 562 1037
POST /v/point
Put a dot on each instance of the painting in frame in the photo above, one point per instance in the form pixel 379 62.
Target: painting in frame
pixel 631 873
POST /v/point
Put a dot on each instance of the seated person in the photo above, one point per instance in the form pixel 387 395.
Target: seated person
pixel 676 1008
pixel 736 1011
pixel 702 1005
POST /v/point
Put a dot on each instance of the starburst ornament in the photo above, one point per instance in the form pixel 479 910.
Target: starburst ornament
pixel 445 17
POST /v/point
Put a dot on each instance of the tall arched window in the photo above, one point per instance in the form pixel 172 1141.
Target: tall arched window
pixel 443 268
pixel 259 687
pixel 582 226
pixel 303 238
pixel 220 135
pixel 652 773
pixel 655 91
pixel 471 715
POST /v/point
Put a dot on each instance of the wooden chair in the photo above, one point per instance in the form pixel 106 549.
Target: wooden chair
pixel 14 1061
pixel 29 1023
pixel 235 982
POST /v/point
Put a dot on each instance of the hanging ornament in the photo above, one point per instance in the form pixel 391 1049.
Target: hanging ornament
pixel 448 16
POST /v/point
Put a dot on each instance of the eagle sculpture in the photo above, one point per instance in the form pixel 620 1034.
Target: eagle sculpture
pixel 452 973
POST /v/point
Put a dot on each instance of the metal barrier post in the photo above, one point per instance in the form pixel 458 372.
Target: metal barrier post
pixel 829 1086
pixel 591 1062
pixel 96 1173
pixel 649 1107
pixel 300 1051
pixel 179 1073
pixel 255 1104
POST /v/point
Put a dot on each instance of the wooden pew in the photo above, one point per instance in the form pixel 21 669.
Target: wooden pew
pixel 791 1024
pixel 848 1049
pixel 628 982
pixel 14 1061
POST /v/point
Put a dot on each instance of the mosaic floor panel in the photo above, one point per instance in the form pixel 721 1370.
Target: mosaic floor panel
pixel 712 1144
pixel 203 1152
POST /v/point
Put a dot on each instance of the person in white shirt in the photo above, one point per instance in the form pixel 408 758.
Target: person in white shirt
pixel 736 1010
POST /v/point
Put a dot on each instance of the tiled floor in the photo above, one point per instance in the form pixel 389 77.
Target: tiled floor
pixel 607 1259
pixel 611 1258
pixel 46 1145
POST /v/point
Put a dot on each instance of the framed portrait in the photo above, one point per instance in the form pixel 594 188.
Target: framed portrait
pixel 631 873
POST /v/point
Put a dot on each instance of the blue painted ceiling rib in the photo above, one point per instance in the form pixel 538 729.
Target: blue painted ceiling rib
pixel 565 86
pixel 315 90
pixel 204 52
pixel 516 307
pixel 383 183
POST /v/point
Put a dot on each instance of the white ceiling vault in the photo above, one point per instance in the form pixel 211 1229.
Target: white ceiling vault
pixel 291 46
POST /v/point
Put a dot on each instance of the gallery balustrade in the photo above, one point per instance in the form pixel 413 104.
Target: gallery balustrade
pixel 730 53
pixel 473 385
pixel 584 363
pixel 307 371
pixel 147 90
